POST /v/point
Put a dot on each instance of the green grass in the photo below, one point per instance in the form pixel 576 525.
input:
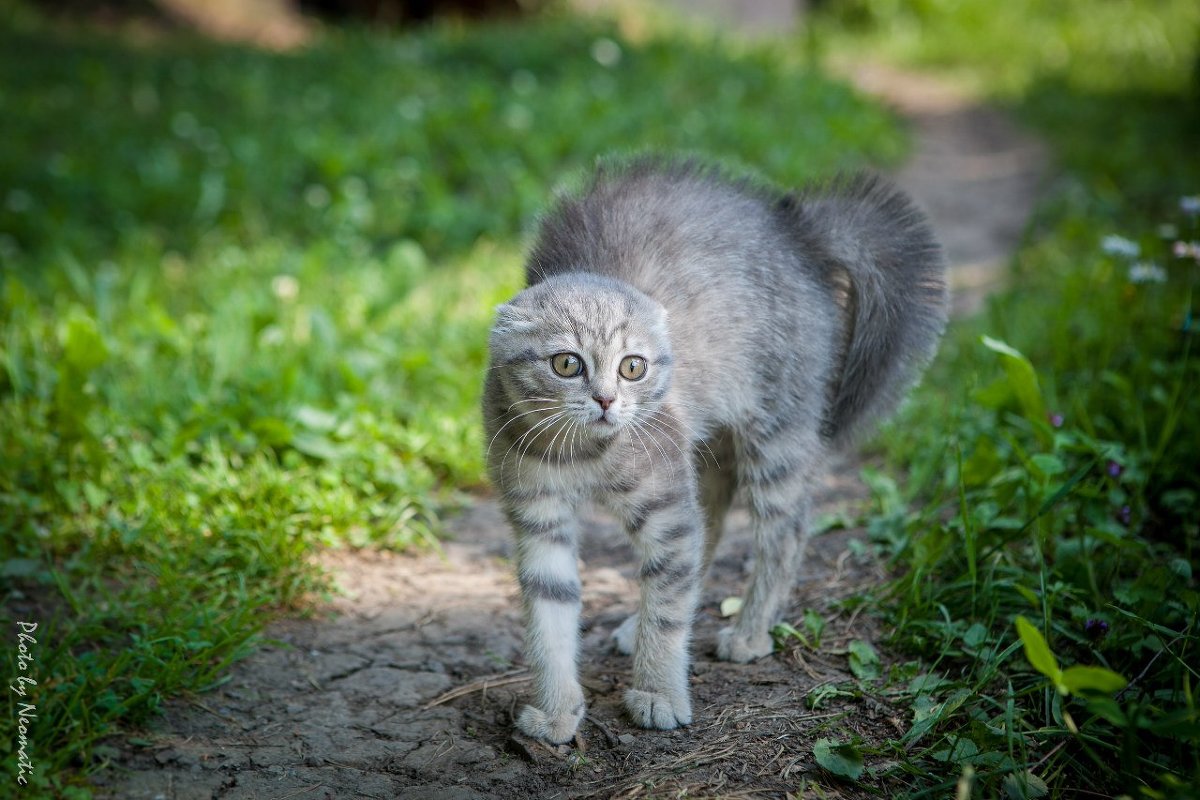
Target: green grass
pixel 1051 468
pixel 244 302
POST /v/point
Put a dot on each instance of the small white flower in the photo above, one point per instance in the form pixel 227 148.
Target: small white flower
pixel 1190 205
pixel 184 125
pixel 354 187
pixel 18 201
pixel 606 52
pixel 518 118
pixel 412 108
pixel 1120 246
pixel 285 287
pixel 524 82
pixel 316 195
pixel 1147 272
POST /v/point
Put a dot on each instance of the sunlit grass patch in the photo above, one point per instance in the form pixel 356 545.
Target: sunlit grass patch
pixel 1051 451
pixel 173 463
pixel 1060 485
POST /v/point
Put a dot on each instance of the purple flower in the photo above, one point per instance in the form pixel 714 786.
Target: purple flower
pixel 1095 629
pixel 1182 249
pixel 1190 205
pixel 1124 514
pixel 1056 420
pixel 1114 469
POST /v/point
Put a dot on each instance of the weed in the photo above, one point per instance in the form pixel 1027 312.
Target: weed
pixel 1047 569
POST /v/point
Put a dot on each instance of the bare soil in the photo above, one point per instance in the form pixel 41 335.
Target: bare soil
pixel 406 686
pixel 407 683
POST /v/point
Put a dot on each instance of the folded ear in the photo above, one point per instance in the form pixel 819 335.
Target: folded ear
pixel 512 319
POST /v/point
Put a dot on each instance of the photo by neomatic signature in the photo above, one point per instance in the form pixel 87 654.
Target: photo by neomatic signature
pixel 22 686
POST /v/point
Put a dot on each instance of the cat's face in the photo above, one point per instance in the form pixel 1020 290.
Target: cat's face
pixel 595 352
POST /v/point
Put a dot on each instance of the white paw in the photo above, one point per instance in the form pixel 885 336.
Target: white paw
pixel 733 645
pixel 624 636
pixel 556 729
pixel 658 710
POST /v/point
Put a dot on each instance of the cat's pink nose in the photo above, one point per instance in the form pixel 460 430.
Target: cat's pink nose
pixel 604 402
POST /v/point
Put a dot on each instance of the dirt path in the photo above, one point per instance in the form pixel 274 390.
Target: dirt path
pixel 974 170
pixel 360 701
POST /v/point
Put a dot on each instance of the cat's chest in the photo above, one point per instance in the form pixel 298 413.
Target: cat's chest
pixel 582 474
pixel 613 477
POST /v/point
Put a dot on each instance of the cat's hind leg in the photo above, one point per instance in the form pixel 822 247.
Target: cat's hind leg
pixel 625 634
pixel 778 470
pixel 718 483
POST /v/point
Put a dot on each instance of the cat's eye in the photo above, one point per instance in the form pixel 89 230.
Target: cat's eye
pixel 566 365
pixel 632 368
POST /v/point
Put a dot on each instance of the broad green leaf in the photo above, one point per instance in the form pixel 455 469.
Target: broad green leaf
pixel 840 758
pixel 1025 786
pixel 1108 709
pixel 864 661
pixel 1022 378
pixel 996 394
pixel 21 568
pixel 315 419
pixel 822 692
pixel 959 750
pixel 317 446
pixel 814 623
pixel 1038 652
pixel 1181 567
pixel 1028 594
pixel 929 682
pixel 1095 679
pixel 272 431
pixel 785 630
pixel 1048 465
pixel 83 346
pixel 983 463
pixel 95 496
pixel 975 635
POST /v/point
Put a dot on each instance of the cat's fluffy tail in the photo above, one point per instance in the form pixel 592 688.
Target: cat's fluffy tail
pixel 875 248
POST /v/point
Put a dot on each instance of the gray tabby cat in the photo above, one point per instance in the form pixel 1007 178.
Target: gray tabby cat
pixel 684 334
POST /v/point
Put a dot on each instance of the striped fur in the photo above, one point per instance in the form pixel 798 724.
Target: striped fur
pixel 772 328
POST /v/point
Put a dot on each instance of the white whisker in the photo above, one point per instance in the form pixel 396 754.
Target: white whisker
pixel 650 431
pixel 506 411
pixel 542 423
pixel 488 453
pixel 696 441
pixel 562 430
pixel 649 460
pixel 545 425
pixel 658 428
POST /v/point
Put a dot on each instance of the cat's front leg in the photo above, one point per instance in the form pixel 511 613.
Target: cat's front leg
pixel 547 532
pixel 667 532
